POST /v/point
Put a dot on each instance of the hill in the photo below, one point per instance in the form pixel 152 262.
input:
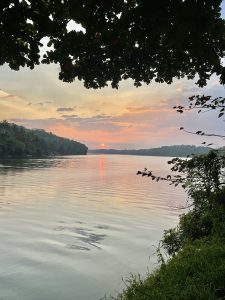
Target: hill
pixel 18 141
pixel 172 151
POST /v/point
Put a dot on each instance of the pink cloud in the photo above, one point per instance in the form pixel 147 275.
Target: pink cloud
pixel 6 95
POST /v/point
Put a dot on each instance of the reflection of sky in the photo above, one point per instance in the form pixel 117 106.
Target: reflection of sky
pixel 64 232
pixel 101 167
pixel 124 118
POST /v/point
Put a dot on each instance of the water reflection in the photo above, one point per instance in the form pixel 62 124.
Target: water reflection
pixel 8 165
pixel 101 167
pixel 84 235
pixel 76 225
pixel 76 247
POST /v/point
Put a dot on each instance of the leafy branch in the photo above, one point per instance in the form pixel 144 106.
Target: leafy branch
pixel 203 104
pixel 202 172
pixel 199 132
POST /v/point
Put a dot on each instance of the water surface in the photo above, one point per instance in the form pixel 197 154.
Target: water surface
pixel 71 228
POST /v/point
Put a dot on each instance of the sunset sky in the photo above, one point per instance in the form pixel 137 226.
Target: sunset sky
pixel 125 118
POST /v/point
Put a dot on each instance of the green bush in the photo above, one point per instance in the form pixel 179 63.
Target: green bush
pixel 196 247
pixel 196 272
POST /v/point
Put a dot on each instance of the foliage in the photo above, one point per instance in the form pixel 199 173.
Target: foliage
pixel 22 26
pixel 121 39
pixel 203 178
pixel 204 104
pixel 204 222
pixel 195 268
pixel 17 141
pixel 141 40
pixel 196 272
pixel 200 173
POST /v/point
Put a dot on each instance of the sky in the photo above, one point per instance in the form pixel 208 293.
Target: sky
pixel 129 117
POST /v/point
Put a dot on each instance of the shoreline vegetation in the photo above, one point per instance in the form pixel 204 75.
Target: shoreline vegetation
pixel 20 142
pixel 191 256
pixel 197 272
pixel 170 151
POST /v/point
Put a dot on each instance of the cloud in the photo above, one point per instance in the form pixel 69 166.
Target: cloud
pixel 138 109
pixel 128 117
pixel 138 127
pixel 63 109
pixel 6 95
pixel 36 123
pixel 43 103
pixel 19 107
pixel 69 116
pixel 144 109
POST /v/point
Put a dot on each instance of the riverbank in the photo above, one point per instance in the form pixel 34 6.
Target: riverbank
pixel 195 264
pixel 196 272
pixel 168 151
pixel 20 142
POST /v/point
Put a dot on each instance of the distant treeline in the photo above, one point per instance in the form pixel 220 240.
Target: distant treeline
pixel 173 151
pixel 18 141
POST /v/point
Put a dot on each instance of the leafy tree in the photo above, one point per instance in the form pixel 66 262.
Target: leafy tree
pixel 142 40
pixel 195 268
pixel 203 177
pixel 17 141
pixel 138 39
pixel 22 26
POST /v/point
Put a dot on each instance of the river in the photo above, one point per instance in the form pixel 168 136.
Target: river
pixel 71 228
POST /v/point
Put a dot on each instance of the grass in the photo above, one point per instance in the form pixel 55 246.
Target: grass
pixel 196 268
pixel 196 272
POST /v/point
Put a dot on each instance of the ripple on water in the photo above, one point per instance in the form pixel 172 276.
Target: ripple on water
pixel 85 235
pixel 62 212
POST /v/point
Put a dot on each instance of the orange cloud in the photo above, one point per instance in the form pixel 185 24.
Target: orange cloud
pixel 126 135
pixel 6 95
pixel 144 109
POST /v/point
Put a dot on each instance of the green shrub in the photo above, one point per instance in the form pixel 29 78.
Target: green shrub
pixel 196 247
pixel 196 272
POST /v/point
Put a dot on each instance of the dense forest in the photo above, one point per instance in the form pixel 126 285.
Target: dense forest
pixel 172 151
pixel 18 141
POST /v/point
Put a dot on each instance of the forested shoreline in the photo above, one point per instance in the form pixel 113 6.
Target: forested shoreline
pixel 170 151
pixel 102 43
pixel 18 141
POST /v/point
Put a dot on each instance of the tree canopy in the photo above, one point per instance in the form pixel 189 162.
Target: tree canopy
pixel 138 39
pixel 18 141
